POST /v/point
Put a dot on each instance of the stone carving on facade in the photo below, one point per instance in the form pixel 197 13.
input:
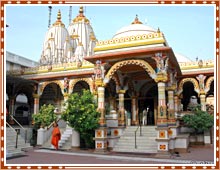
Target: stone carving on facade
pixel 201 79
pixel 99 70
pixel 66 85
pixel 161 62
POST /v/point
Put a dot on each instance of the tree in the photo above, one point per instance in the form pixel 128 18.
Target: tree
pixel 82 115
pixel 45 116
pixel 199 120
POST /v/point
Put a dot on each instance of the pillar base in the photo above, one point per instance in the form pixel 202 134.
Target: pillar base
pixel 100 140
pixel 101 151
pixel 171 122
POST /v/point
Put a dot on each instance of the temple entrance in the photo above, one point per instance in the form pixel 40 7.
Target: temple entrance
pixel 135 90
pixel 147 108
pixel 148 102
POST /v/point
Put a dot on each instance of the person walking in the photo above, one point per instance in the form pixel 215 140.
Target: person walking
pixel 56 135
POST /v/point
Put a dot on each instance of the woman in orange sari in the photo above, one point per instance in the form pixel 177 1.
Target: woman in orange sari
pixel 55 136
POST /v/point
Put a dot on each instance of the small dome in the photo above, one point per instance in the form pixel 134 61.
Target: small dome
pixel 136 28
pixel 181 58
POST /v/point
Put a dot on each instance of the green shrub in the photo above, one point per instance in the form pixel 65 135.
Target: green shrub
pixel 45 116
pixel 199 120
pixel 81 113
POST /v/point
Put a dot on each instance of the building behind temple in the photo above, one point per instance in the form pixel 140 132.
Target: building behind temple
pixel 136 70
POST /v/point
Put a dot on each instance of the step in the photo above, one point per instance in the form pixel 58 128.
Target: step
pixel 135 150
pixel 14 154
pixel 146 143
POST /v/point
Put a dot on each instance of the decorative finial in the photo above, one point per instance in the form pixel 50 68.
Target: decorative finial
pixel 81 9
pixel 59 15
pixel 80 17
pixel 136 20
pixel 58 21
pixel 158 30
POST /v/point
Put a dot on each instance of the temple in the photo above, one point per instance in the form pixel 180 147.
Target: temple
pixel 134 72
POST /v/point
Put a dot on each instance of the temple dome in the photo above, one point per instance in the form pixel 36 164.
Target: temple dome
pixel 82 34
pixel 55 44
pixel 136 28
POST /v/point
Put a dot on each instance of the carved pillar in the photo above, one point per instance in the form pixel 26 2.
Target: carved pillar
pixel 101 105
pixel 171 107
pixel 36 103
pixel 173 130
pixel 162 128
pixel 101 132
pixel 134 110
pixel 201 78
pixel 11 105
pixel 176 107
pixel 121 108
pixel 203 101
pixel 162 107
pixel 11 108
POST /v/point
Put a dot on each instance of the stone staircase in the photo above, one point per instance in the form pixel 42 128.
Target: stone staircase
pixel 65 141
pixel 145 143
pixel 11 150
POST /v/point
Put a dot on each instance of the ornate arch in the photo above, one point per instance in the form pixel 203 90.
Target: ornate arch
pixel 192 80
pixel 73 83
pixel 208 83
pixel 116 80
pixel 58 82
pixel 120 64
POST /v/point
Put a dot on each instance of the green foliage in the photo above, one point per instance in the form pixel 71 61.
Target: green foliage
pixel 45 116
pixel 200 120
pixel 81 113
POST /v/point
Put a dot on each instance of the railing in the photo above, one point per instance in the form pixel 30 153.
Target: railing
pixel 16 131
pixel 25 130
pixel 135 135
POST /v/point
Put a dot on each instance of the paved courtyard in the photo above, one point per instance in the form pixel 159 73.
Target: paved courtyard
pixel 197 155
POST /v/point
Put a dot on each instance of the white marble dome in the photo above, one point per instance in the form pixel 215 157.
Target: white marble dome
pixel 136 28
pixel 82 34
pixel 56 47
pixel 181 58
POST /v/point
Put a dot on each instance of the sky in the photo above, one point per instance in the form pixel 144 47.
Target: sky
pixel 189 29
